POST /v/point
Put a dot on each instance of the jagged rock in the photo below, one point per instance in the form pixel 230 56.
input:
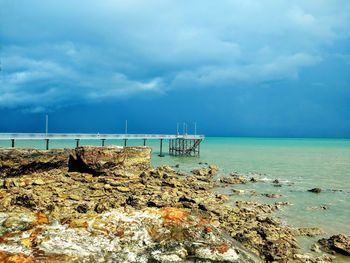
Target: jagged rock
pixel 308 258
pixel 133 201
pixel 148 235
pixel 102 206
pixel 109 160
pixel 338 243
pixel 16 162
pixel 315 190
pixel 211 170
pixel 85 202
pixel 233 179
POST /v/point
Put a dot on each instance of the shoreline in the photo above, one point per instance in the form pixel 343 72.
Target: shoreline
pixel 126 177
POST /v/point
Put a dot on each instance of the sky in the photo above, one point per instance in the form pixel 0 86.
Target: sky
pixel 266 68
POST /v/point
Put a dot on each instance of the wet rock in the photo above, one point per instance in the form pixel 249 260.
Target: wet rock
pixel 277 185
pixel 315 190
pixel 272 195
pixel 233 179
pixel 308 231
pixel 338 243
pixel 315 248
pixel 246 192
pixel 269 220
pixel 282 203
pixel 253 180
pixel 211 170
pixel 308 258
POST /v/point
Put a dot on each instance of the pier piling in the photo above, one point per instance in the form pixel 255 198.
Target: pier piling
pixel 184 147
pixel 161 149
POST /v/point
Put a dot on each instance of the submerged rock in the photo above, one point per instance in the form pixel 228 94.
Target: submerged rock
pixel 308 231
pixel 315 190
pixel 337 243
pixel 271 195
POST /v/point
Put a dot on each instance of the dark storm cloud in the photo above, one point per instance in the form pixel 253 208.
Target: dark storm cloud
pixel 55 53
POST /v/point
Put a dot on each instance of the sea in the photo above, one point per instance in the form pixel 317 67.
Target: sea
pixel 298 164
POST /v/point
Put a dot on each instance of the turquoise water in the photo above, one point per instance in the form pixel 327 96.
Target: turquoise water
pixel 300 164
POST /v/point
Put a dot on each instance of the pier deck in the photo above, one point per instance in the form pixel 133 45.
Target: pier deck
pixel 179 145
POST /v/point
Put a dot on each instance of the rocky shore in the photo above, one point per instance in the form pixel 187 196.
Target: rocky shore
pixel 107 204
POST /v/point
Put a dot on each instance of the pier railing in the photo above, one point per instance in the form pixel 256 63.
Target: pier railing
pixel 179 144
pixel 92 136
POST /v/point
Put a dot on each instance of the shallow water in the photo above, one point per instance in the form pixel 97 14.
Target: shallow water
pixel 300 164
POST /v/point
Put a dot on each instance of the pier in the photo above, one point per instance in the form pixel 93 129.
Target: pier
pixel 179 145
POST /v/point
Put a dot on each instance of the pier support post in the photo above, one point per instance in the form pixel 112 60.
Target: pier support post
pixel 13 143
pixel 125 140
pixel 47 143
pixel 103 142
pixel 144 142
pixel 161 149
pixel 78 141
